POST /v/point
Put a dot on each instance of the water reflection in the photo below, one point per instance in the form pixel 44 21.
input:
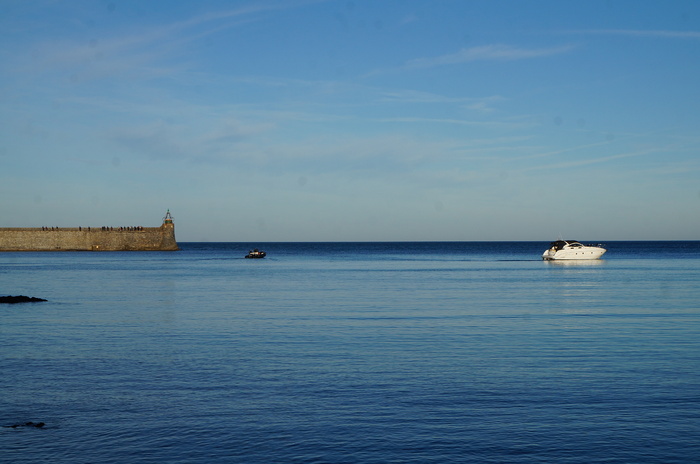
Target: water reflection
pixel 577 262
pixel 580 287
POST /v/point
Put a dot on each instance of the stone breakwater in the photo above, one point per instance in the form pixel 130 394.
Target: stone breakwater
pixel 89 239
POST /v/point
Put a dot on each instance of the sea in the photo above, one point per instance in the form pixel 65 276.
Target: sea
pixel 343 353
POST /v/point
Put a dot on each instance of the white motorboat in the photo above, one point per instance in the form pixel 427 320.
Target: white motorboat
pixel 571 249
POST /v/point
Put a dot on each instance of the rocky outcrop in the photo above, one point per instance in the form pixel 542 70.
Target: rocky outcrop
pixel 37 425
pixel 19 299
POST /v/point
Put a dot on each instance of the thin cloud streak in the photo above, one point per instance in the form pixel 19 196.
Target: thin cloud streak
pixel 482 53
pixel 585 162
pixel 112 56
pixel 486 53
pixel 461 122
pixel 562 151
pixel 642 33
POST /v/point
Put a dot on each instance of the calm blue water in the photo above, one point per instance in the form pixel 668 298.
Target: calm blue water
pixel 353 353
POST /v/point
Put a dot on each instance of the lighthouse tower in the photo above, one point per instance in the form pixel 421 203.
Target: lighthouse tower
pixel 167 234
pixel 168 219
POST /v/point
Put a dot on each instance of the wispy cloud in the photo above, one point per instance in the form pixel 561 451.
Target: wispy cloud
pixel 588 161
pixel 168 141
pixel 563 151
pixel 486 53
pixel 482 53
pixel 142 50
pixel 415 96
pixel 641 33
pixel 461 122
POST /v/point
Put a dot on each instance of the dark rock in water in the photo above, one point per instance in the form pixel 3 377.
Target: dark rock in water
pixel 19 299
pixel 37 425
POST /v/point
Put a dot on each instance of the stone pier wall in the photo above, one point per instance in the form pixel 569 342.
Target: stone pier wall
pixel 89 239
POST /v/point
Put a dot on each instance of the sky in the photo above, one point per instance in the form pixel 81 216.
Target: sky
pixel 361 120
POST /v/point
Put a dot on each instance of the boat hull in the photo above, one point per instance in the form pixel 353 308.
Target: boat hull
pixel 578 253
pixel 256 255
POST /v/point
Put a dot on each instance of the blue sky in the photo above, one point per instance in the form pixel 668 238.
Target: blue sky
pixel 353 120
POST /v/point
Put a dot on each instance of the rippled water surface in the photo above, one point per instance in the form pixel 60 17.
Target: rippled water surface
pixel 353 353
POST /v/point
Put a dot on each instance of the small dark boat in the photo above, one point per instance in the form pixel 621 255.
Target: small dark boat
pixel 255 254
